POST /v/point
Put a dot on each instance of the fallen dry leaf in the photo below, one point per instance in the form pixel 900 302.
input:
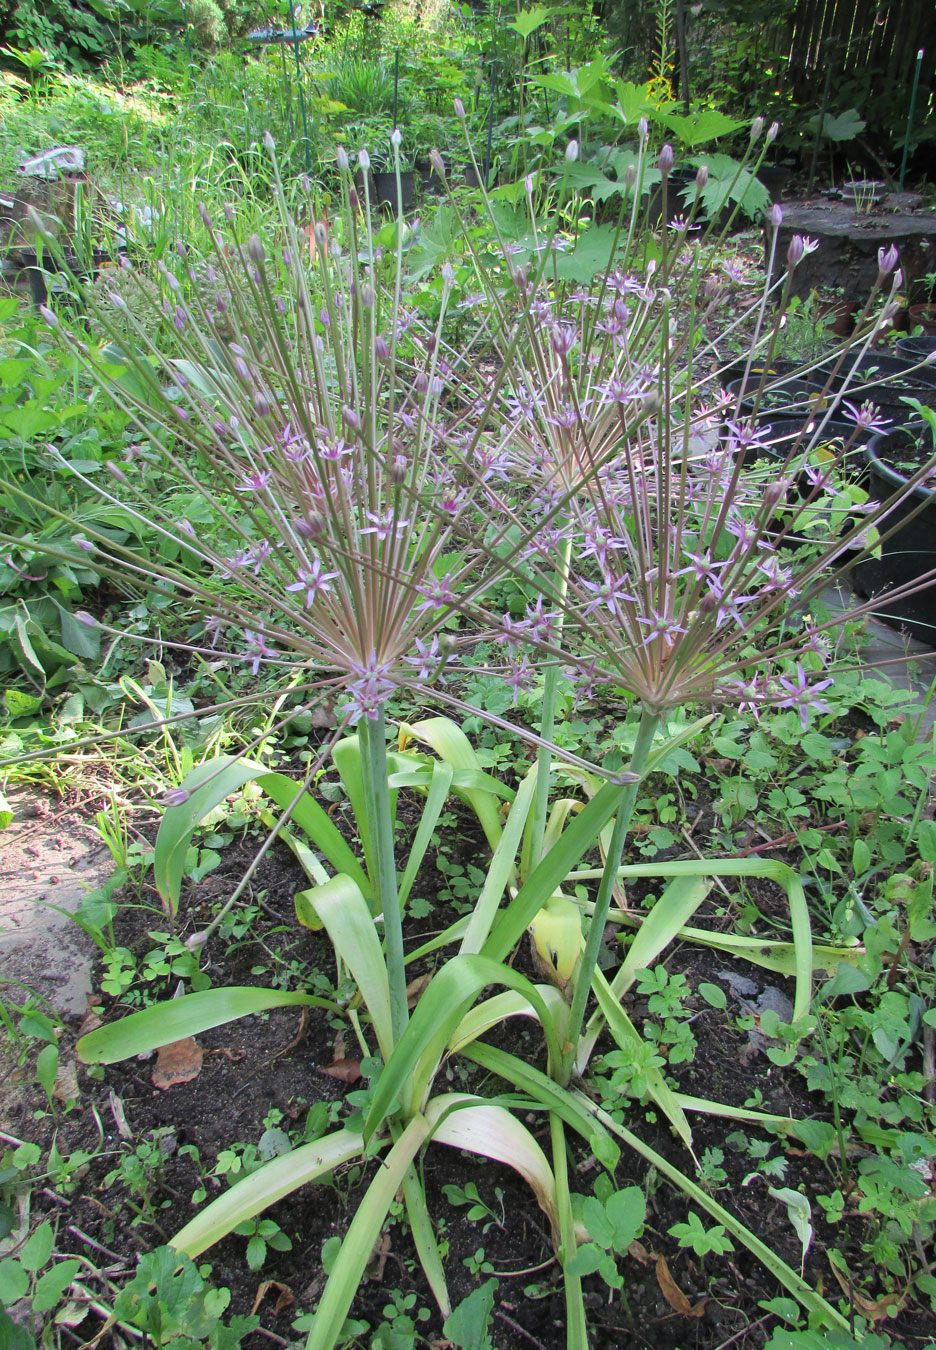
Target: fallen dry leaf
pixel 639 1252
pixel 178 1062
pixel 348 1070
pixel 875 1309
pixel 286 1296
pixel 120 1119
pixel 416 988
pixel 66 1082
pixel 90 1021
pixel 673 1294
pixel 378 1259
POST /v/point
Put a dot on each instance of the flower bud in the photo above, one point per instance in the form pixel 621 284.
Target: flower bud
pixel 381 350
pixel 341 159
pixel 772 132
pixel 396 138
pixel 437 162
pixel 116 472
pixel 261 404
pixel 459 110
pixel 48 317
pixel 84 617
pixel 367 295
pixel 887 260
pixel 351 419
pixel 571 153
pixel 363 160
pixel 528 185
pixel 255 250
pixel 666 159
pixel 178 797
pixel 757 126
pixel 773 493
pixel 643 128
pixel 421 383
pixel 268 142
pixel 796 250
pixel 630 175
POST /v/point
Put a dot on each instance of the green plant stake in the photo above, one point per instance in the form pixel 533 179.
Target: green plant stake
pixel 913 96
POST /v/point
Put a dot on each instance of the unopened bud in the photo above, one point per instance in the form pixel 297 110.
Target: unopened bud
pixel 116 471
pixel 796 250
pixel 776 215
pixel 177 797
pixel 268 142
pixel 255 250
pixel 381 350
pixel 437 162
pixel 195 943
pixel 773 493
pixel 630 175
pixel 643 128
pixel 757 127
pixel 528 185
pixel 367 295
pixel 666 159
pixel 772 132
pixel 396 138
pixel 572 152
pixel 351 419
pixel 341 159
pixel 702 177
pixel 363 160
pixel 887 260
pixel 48 317
pixel 421 382
pixel 261 404
pixel 459 110
pixel 84 617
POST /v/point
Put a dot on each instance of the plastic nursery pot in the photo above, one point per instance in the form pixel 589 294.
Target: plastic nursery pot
pixel 385 189
pixel 884 381
pixel 792 398
pixel 893 457
pixel 736 371
pixel 916 348
pixel 923 316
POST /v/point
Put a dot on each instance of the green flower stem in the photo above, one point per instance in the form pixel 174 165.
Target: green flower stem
pixel 576 1327
pixel 548 720
pixel 372 732
pixel 645 734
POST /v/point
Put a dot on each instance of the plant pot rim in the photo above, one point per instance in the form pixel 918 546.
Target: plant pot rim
pixel 886 469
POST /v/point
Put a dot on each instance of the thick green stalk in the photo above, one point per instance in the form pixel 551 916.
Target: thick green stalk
pixel 576 1327
pixel 548 720
pixel 372 732
pixel 645 733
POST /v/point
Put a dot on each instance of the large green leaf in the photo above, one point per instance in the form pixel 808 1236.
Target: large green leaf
pixel 452 745
pixel 348 1269
pixel 343 910
pixel 208 784
pixel 421 1048
pixel 164 1023
pixel 263 1188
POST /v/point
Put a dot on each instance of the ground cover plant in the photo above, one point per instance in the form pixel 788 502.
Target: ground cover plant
pixel 454 519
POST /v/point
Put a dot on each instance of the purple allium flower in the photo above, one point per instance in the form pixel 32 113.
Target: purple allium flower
pixel 257 650
pixel 370 689
pixel 427 658
pixel 313 581
pixel 383 524
pixel 801 695
pixel 254 482
pixel 176 796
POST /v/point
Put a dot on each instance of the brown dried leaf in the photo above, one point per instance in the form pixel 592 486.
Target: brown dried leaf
pixel 378 1259
pixel 348 1070
pixel 286 1296
pixel 66 1082
pixel 120 1119
pixel 875 1309
pixel 90 1021
pixel 673 1294
pixel 178 1062
pixel 416 988
pixel 639 1252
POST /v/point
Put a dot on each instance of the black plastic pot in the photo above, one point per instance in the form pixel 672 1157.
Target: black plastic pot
pixel 736 371
pixel 916 348
pixel 792 398
pixel 385 189
pixel 866 386
pixel 911 551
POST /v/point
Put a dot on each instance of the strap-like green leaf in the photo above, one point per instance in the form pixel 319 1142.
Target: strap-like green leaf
pixel 263 1188
pixel 348 1270
pixel 502 867
pixel 452 745
pixel 164 1023
pixel 208 784
pixel 345 914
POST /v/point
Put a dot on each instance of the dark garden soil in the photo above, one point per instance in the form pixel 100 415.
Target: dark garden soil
pixel 280 1062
